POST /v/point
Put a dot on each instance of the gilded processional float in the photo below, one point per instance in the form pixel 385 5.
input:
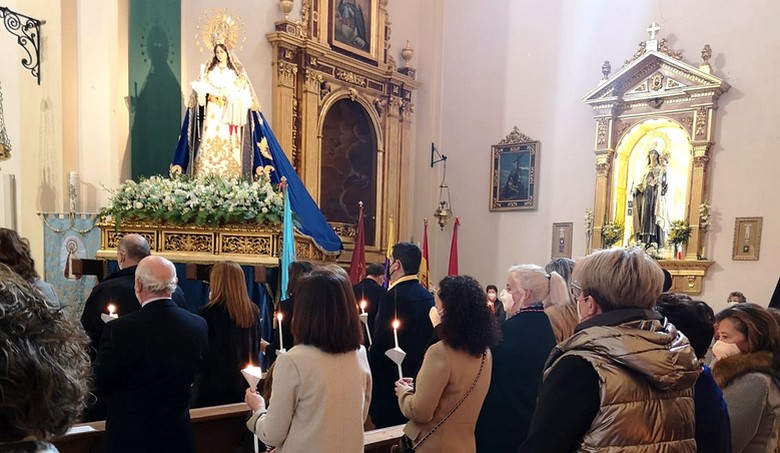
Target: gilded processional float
pixel 228 177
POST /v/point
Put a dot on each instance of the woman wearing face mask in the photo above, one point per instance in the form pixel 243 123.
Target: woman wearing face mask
pixel 517 361
pixel 747 368
pixel 494 303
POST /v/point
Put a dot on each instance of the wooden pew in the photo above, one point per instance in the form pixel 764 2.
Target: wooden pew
pixel 217 429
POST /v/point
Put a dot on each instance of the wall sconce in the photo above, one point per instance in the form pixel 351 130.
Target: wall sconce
pixel 444 208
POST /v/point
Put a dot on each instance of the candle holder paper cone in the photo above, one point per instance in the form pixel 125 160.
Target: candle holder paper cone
pixel 397 355
pixel 253 374
pixel 107 318
pixel 364 319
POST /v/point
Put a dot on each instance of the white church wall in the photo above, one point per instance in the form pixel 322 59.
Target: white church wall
pixel 11 105
pixel 530 63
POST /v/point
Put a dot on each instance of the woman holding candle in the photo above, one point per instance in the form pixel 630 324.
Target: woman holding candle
pixel 322 387
pixel 444 403
pixel 234 337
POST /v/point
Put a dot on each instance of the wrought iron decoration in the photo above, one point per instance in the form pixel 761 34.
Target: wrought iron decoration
pixel 28 35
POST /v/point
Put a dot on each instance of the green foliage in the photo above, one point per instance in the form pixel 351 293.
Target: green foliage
pixel 209 201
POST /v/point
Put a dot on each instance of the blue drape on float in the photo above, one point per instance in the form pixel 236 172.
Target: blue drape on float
pixel 308 218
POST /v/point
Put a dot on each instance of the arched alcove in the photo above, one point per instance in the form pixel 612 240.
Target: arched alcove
pixel 348 166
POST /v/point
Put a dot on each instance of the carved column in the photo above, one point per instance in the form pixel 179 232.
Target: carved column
pixel 405 144
pixel 700 162
pixel 284 97
pixel 310 117
pixel 602 204
pixel 393 168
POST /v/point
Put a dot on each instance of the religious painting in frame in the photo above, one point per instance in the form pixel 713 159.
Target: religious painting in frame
pixel 514 173
pixel 354 27
pixel 747 238
pixel 561 240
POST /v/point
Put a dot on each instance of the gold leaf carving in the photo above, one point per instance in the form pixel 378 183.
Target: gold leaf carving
pixel 515 137
pixel 188 242
pixel 351 77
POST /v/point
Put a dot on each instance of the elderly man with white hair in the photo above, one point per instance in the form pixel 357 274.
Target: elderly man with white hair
pixel 146 365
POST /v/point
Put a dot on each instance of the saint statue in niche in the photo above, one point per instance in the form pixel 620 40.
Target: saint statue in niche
pixel 649 193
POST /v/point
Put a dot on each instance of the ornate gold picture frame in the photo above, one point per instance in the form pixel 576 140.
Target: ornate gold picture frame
pixel 747 238
pixel 514 173
pixel 561 239
pixel 354 27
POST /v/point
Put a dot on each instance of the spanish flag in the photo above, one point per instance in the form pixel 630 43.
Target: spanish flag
pixel 425 271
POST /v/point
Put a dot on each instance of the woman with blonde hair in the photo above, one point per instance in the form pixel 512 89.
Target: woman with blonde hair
pixel 518 360
pixel 234 337
pixel 747 368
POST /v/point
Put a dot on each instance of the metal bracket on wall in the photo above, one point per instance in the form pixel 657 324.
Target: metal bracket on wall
pixel 28 35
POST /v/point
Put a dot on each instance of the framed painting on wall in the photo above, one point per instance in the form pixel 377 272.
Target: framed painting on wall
pixel 354 27
pixel 561 240
pixel 513 173
pixel 747 238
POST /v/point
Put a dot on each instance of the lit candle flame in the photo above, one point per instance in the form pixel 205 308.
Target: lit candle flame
pixel 111 309
pixel 363 305
pixel 396 324
pixel 279 316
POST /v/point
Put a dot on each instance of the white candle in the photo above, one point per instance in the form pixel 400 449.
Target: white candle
pixel 112 311
pixel 279 317
pixel 396 324
pixel 202 71
pixel 363 307
pixel 73 189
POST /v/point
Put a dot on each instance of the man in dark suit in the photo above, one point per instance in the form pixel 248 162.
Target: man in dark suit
pixel 117 290
pixel 410 303
pixel 371 290
pixel 146 365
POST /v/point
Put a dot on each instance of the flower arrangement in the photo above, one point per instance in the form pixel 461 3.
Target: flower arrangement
pixel 201 201
pixel 611 233
pixel 652 249
pixel 679 233
pixel 705 218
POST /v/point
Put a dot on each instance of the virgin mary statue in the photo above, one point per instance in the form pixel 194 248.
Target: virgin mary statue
pixel 224 134
pixel 217 139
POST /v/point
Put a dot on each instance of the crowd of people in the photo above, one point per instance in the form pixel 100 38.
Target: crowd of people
pixel 585 356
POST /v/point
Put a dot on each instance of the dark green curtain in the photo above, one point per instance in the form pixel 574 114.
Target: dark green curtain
pixel 155 81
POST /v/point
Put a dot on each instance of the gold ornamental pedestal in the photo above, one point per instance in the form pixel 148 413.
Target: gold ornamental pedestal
pixel 244 244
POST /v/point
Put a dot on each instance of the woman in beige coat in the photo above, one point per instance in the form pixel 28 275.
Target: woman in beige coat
pixel 457 366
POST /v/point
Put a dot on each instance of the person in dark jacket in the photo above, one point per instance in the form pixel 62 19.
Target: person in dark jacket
pixel 368 293
pixel 624 380
pixel 297 269
pixel 408 302
pixel 117 291
pixel 696 320
pixel 234 337
pixel 517 362
pixel 146 365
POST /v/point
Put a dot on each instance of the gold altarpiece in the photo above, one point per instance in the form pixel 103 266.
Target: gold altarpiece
pixel 313 73
pixel 656 101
